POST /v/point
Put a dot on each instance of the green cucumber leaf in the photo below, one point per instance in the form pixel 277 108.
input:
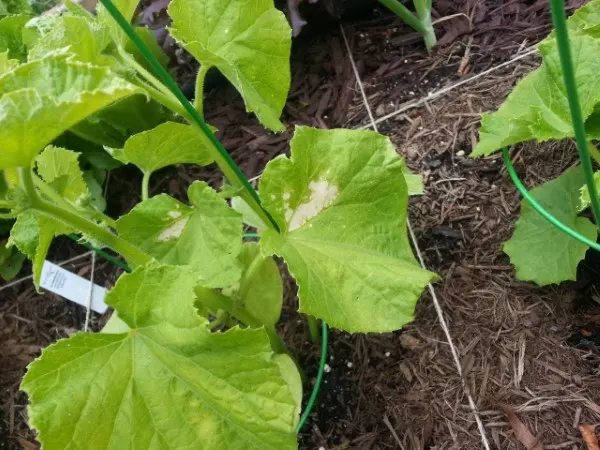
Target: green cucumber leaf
pixel 96 198
pixel 167 383
pixel 60 169
pixel 206 236
pixel 260 289
pixel 538 107
pixel 585 20
pixel 541 252
pixel 170 143
pixel 113 125
pixel 11 262
pixel 340 201
pixel 80 36
pixel 44 98
pixel 11 36
pixel 414 182
pixel 584 198
pixel 248 41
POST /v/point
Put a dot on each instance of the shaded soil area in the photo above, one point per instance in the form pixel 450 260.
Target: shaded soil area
pixel 518 344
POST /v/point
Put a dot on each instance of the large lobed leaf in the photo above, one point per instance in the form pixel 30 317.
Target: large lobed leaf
pixel 538 107
pixel 340 201
pixel 541 252
pixel 206 236
pixel 42 99
pixel 166 382
pixel 249 41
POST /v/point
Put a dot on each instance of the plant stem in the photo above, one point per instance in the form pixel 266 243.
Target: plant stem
pixel 594 152
pixel 313 329
pixel 276 342
pixel 80 223
pixel 222 158
pixel 5 205
pixel 199 92
pixel 564 51
pixel 421 23
pixel 146 186
pixel 60 201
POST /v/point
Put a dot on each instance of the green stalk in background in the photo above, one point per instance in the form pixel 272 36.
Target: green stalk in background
pixel 421 22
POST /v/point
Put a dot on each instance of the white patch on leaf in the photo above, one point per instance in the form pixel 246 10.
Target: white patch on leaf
pixel 174 214
pixel 322 195
pixel 174 231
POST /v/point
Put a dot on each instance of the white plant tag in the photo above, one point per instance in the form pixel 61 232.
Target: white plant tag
pixel 72 287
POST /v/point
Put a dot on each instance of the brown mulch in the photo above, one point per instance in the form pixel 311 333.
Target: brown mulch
pixel 511 336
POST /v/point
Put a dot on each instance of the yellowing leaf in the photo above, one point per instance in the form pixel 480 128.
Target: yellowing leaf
pixel 167 383
pixel 206 237
pixel 42 99
pixel 340 201
pixel 249 42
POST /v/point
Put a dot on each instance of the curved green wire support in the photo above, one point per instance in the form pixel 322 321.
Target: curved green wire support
pixel 566 61
pixel 539 208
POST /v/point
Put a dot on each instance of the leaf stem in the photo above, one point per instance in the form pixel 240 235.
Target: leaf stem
pixel 421 23
pixel 313 329
pixel 80 223
pixel 60 201
pixel 146 186
pixel 199 92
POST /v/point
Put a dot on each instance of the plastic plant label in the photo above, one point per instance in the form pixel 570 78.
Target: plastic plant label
pixel 72 287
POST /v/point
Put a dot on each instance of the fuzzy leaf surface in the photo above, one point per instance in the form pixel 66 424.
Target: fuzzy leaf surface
pixel 166 383
pixel 42 99
pixel 541 252
pixel 249 42
pixel 206 236
pixel 11 37
pixel 168 144
pixel 340 201
pixel 538 107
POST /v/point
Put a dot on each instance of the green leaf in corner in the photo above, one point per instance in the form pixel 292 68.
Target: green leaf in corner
pixel 170 143
pixel 44 98
pixel 541 252
pixel 166 383
pixel 538 107
pixel 10 7
pixel 248 41
pixel 340 201
pixel 206 236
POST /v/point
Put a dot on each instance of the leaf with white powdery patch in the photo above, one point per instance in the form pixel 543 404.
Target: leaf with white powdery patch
pixel 340 201
pixel 166 383
pixel 42 99
pixel 541 252
pixel 207 237
pixel 249 42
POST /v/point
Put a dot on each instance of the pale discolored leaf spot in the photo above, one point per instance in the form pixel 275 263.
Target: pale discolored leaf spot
pixel 206 236
pixel 340 202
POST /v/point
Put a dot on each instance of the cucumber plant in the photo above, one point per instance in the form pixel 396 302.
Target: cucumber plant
pixel 191 357
pixel 538 109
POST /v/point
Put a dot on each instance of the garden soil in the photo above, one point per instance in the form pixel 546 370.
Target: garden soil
pixel 528 355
